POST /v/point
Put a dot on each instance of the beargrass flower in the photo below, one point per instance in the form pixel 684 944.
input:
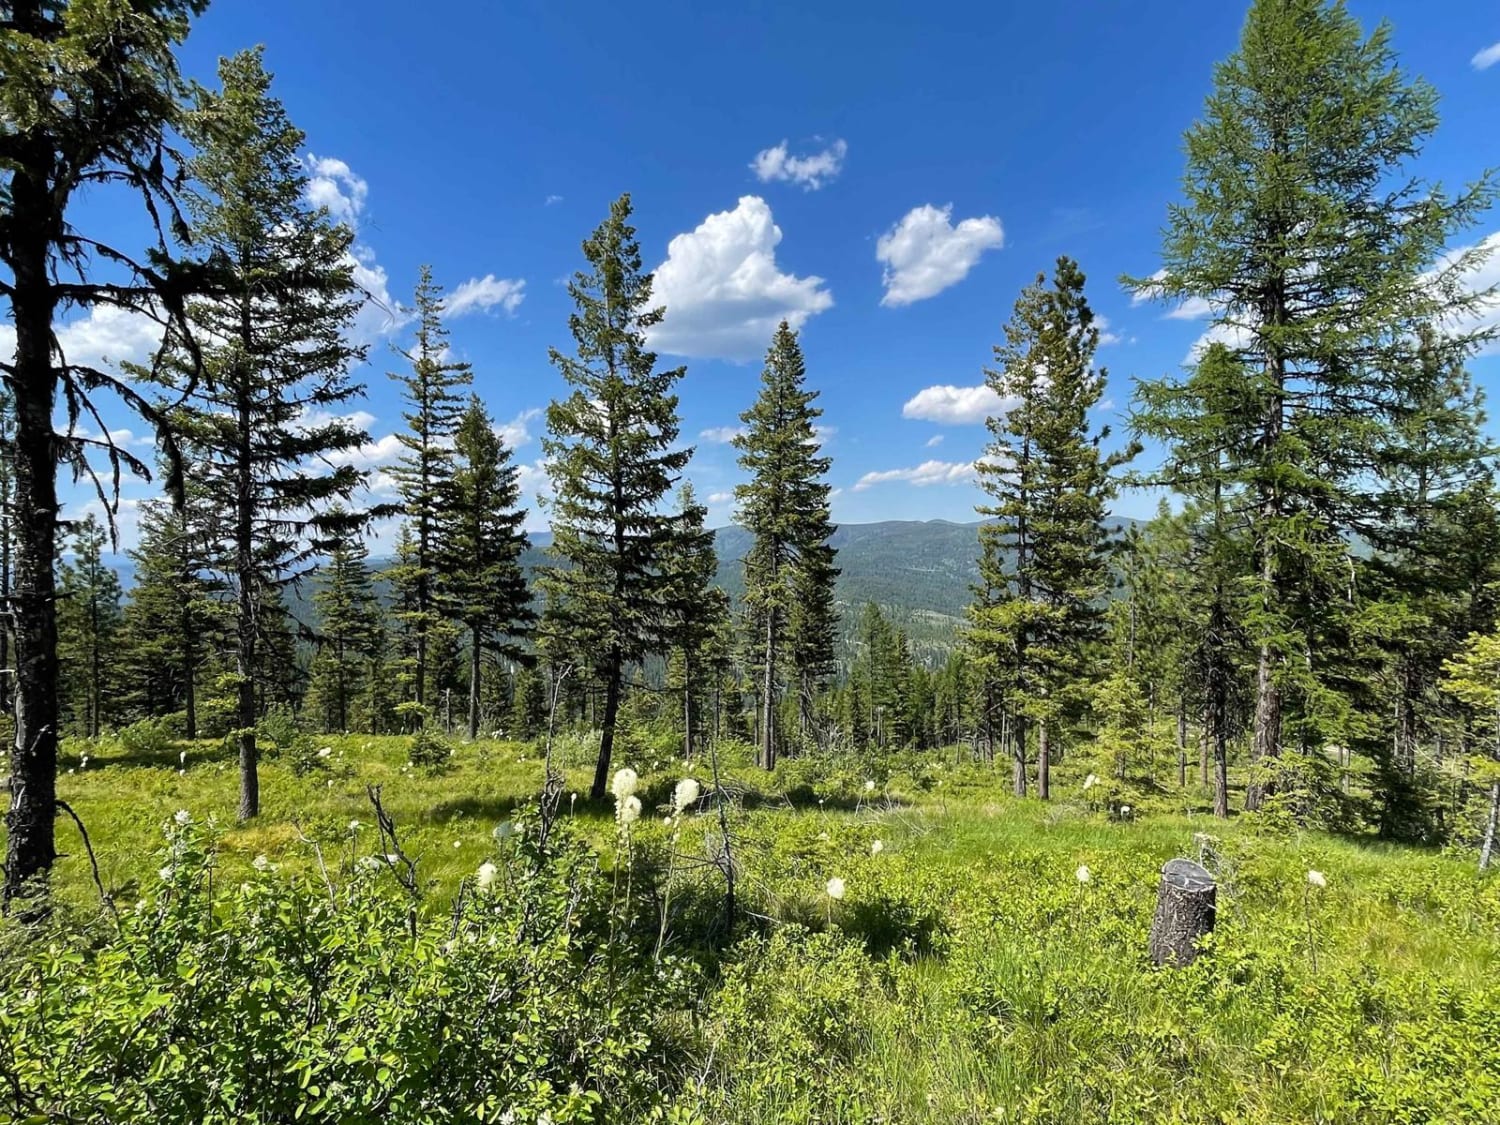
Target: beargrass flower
pixel 685 795
pixel 1083 874
pixel 182 818
pixel 325 751
pixel 182 758
pixel 486 875
pixel 629 810
pixel 354 826
pixel 260 863
pixel 869 786
pixel 625 783
pixel 164 874
pixel 877 847
pixel 835 888
pixel 1090 781
pixel 1316 879
pixel 504 830
pixel 1124 810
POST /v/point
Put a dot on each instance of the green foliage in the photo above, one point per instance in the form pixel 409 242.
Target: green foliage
pixel 149 740
pixel 202 1003
pixel 429 751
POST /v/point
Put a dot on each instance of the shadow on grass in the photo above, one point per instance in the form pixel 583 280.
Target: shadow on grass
pixel 112 753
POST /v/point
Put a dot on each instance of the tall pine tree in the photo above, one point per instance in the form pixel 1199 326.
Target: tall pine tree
pixel 789 571
pixel 88 630
pixel 613 460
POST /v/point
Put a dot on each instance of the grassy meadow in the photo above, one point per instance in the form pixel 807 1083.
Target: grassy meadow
pixel 986 961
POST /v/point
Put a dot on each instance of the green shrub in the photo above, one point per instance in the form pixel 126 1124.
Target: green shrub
pixel 429 751
pixel 275 1000
pixel 147 739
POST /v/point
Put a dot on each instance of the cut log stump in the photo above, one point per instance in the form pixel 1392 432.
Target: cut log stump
pixel 1186 903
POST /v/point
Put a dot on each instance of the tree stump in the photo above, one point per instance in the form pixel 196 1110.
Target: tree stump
pixel 1186 904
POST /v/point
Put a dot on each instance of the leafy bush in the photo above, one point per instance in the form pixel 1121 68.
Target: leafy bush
pixel 147 739
pixel 277 1000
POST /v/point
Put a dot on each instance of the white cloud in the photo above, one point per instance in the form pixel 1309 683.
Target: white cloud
pixel 934 440
pixel 381 314
pixel 720 497
pixel 1194 308
pixel 552 200
pixel 722 290
pixel 721 435
pixel 1481 278
pixel 1487 57
pixel 517 432
pixel 1106 337
pixel 332 184
pixel 956 406
pixel 483 294
pixel 925 253
pixel 921 476
pixel 812 171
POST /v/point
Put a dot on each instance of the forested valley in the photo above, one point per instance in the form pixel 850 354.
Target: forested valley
pixel 640 819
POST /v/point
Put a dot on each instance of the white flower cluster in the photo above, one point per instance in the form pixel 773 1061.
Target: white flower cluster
pixel 1317 879
pixel 627 804
pixel 686 795
pixel 835 888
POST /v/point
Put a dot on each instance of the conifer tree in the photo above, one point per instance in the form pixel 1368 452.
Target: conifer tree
pixel 91 94
pixel 1050 482
pixel 88 629
pixel 789 570
pixel 613 460
pixel 483 585
pixel 279 362
pixel 348 626
pixel 1303 232
pixel 174 613
pixel 434 393
pixel 696 610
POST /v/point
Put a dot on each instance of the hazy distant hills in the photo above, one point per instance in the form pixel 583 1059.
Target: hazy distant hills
pixel 920 572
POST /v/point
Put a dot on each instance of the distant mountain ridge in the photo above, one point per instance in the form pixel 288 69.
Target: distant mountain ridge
pixel 921 572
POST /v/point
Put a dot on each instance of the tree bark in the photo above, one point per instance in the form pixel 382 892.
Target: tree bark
pixel 1018 733
pixel 1186 906
pixel 768 696
pixel 612 684
pixel 476 675
pixel 1487 851
pixel 1043 763
pixel 1182 744
pixel 30 842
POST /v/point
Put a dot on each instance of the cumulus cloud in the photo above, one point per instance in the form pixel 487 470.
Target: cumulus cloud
pixel 721 497
pixel 333 184
pixel 480 294
pixel 1193 308
pixel 934 440
pixel 517 432
pixel 811 171
pixel 1106 337
pixel 722 289
pixel 1487 57
pixel 956 406
pixel 721 435
pixel 921 476
pixel 925 253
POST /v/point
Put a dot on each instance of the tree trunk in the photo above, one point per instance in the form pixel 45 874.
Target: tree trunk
pixel 1186 905
pixel 612 684
pixel 476 675
pixel 1043 763
pixel 30 842
pixel 1018 745
pixel 768 700
pixel 687 715
pixel 247 624
pixel 1182 744
pixel 1488 849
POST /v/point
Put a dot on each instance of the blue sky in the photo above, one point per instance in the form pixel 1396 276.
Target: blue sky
pixel 887 176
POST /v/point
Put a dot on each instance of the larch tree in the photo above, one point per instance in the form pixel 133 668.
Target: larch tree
pixel 789 572
pixel 434 392
pixel 88 629
pixel 1046 555
pixel 1321 260
pixel 613 459
pixel 483 584
pixel 278 355
pixel 90 98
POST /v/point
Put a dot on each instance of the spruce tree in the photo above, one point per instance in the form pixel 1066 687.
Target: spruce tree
pixel 348 627
pixel 91 94
pixel 1303 232
pixel 174 613
pixel 789 572
pixel 696 611
pixel 613 459
pixel 279 359
pixel 483 585
pixel 434 393
pixel 88 629
pixel 1050 482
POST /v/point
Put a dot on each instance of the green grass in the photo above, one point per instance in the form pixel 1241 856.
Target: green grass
pixel 967 975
